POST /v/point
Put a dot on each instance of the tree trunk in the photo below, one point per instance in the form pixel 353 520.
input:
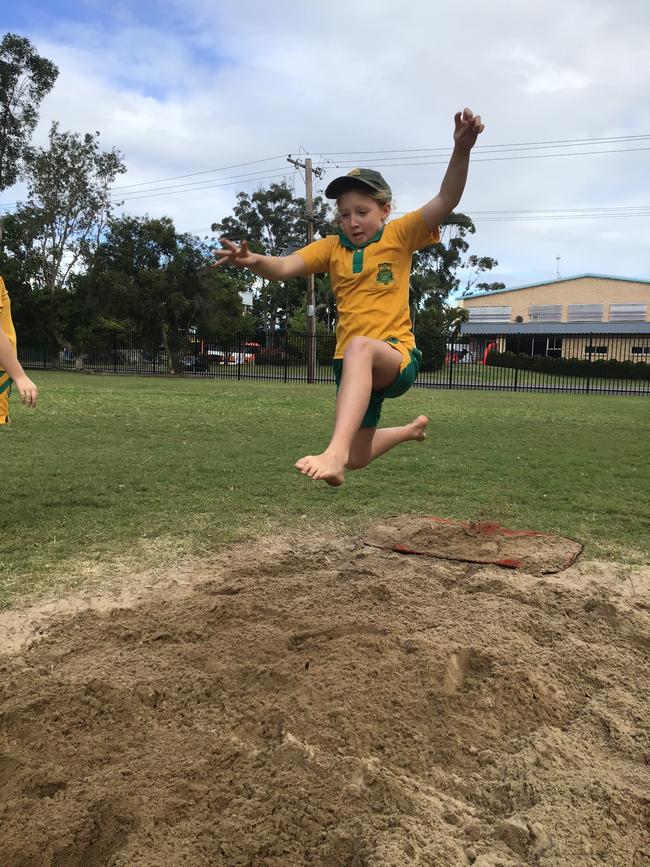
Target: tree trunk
pixel 171 356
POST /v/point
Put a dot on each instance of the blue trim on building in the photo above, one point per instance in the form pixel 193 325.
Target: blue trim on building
pixel 551 283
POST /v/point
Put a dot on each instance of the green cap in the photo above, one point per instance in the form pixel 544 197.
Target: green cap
pixel 357 179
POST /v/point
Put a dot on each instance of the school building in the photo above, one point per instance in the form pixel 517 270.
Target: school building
pixel 589 316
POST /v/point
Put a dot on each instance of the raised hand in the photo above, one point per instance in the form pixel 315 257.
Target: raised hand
pixel 468 127
pixel 232 254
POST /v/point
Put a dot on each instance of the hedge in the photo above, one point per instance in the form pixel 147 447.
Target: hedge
pixel 610 369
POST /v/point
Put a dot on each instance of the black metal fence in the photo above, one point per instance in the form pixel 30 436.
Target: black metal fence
pixel 578 363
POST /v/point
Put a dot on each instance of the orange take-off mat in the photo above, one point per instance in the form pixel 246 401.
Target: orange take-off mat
pixel 480 542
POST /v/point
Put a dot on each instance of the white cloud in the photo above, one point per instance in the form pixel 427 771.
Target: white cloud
pixel 251 80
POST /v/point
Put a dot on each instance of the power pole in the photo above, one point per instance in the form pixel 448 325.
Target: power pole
pixel 311 300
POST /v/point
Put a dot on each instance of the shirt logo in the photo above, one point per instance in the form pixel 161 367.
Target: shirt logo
pixel 385 273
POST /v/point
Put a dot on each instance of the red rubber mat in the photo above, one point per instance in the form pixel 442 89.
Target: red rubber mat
pixel 527 550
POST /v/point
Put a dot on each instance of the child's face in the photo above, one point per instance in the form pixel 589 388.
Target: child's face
pixel 361 216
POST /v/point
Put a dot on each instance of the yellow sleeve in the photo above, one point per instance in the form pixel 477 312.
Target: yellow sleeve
pixel 317 254
pixel 412 232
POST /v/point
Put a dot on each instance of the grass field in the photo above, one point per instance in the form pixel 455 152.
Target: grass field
pixel 143 470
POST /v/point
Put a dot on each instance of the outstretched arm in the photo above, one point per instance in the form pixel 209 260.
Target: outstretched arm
pixel 269 267
pixel 468 127
pixel 9 362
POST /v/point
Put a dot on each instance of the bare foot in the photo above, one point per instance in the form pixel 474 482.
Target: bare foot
pixel 327 467
pixel 419 427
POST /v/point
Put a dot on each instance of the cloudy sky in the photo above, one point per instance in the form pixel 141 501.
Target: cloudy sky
pixel 206 98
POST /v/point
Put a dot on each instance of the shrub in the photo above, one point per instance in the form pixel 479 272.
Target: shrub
pixel 610 369
pixel 433 347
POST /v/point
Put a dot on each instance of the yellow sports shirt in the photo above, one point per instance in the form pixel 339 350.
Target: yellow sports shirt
pixel 7 326
pixel 371 283
pixel 5 314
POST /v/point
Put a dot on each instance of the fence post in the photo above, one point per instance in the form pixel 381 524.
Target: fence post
pixel 449 355
pixel 286 355
pixel 239 356
pixel 517 354
pixel 590 345
pixel 115 350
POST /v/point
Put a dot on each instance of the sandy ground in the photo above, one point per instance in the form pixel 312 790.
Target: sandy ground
pixel 322 702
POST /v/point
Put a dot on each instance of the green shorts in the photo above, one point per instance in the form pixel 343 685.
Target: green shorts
pixel 404 381
pixel 5 390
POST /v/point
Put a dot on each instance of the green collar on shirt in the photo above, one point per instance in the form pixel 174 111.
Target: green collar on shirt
pixel 357 258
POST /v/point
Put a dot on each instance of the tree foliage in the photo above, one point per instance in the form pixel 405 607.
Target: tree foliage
pixel 148 277
pixel 435 269
pixel 25 79
pixel 274 222
pixel 479 265
pixel 66 211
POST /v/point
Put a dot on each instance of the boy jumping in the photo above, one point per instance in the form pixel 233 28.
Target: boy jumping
pixel 369 263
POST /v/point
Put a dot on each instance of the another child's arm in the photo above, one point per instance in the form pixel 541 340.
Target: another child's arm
pixel 269 267
pixel 468 126
pixel 9 362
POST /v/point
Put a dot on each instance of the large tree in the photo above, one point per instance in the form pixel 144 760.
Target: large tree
pixel 67 208
pixel 18 267
pixel 435 269
pixel 25 79
pixel 274 222
pixel 149 278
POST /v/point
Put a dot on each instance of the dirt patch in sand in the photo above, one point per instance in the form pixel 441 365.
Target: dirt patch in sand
pixel 322 702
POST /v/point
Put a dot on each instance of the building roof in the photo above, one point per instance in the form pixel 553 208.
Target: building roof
pixel 550 283
pixel 640 328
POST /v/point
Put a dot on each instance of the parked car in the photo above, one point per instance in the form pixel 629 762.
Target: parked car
pixel 195 363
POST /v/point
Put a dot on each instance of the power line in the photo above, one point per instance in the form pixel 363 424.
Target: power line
pixel 205 172
pixel 550 143
pixel 423 162
pixel 505 151
pixel 390 162
pixel 197 186
pixel 129 187
pixel 564 210
pixel 282 174
pixel 525 216
pixel 206 184
pixel 556 217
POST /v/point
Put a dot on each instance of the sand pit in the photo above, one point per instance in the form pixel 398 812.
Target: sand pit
pixel 322 702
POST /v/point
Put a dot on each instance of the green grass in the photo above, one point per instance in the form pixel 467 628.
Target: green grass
pixel 143 470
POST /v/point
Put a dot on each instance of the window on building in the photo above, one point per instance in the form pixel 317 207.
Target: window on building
pixel 640 350
pixel 585 312
pixel 545 312
pixel 489 314
pixel 591 349
pixel 554 347
pixel 628 312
